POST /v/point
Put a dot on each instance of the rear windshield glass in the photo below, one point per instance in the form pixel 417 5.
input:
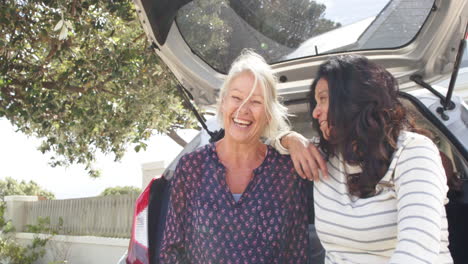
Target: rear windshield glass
pixel 280 30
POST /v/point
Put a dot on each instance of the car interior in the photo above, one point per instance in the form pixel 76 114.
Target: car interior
pixel 456 168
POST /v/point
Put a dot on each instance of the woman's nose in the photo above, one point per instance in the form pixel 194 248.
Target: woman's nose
pixel 316 112
pixel 244 109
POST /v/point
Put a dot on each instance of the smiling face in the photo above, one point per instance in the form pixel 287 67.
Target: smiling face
pixel 321 109
pixel 243 110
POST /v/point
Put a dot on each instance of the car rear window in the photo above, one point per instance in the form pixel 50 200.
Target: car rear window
pixel 280 30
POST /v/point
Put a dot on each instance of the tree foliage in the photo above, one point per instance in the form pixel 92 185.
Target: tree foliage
pixel 218 30
pixel 10 186
pixel 212 33
pixel 10 250
pixel 120 190
pixel 288 22
pixel 79 74
pixel 13 253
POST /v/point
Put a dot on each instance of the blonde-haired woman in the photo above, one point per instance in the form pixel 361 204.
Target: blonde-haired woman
pixel 238 200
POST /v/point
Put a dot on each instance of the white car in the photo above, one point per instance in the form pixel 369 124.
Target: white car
pixel 419 42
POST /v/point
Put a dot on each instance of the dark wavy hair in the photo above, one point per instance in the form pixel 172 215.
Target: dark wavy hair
pixel 365 118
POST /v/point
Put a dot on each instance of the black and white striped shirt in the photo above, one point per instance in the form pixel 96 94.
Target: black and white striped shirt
pixel 405 222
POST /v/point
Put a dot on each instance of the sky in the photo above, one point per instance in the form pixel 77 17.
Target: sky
pixel 20 159
pixel 350 11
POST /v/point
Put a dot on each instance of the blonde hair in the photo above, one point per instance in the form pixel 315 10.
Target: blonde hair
pixel 250 62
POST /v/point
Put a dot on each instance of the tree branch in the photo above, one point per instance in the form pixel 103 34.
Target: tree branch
pixel 139 37
pixel 73 8
pixel 53 50
pixel 174 136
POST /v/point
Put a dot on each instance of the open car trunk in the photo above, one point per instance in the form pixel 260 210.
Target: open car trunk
pixel 456 163
pixel 414 40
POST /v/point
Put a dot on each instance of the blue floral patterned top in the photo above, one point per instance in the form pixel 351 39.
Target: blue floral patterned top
pixel 269 223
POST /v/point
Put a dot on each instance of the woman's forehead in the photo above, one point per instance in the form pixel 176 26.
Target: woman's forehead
pixel 322 86
pixel 244 83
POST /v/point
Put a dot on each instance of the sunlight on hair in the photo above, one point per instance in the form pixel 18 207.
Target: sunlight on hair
pixel 252 63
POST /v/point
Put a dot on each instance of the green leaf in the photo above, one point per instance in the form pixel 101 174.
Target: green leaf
pixel 59 25
pixel 69 25
pixel 63 33
pixel 137 148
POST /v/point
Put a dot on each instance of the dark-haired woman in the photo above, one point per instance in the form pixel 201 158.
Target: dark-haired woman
pixel 383 200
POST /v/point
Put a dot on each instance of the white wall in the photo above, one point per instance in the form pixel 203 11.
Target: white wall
pixel 16 209
pixel 79 249
pixel 151 170
pixel 74 249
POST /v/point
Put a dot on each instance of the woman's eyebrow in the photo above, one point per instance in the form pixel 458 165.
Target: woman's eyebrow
pixel 322 92
pixel 257 96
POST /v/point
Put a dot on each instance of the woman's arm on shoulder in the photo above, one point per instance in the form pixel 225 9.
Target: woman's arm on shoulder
pixel 306 158
pixel 421 191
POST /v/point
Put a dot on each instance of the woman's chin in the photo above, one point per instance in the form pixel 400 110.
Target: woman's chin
pixel 325 135
pixel 242 137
